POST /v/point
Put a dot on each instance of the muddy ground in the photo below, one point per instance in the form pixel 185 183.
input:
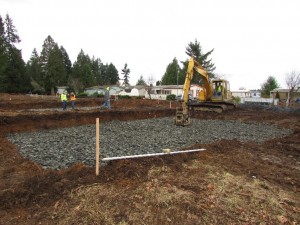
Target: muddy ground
pixel 231 182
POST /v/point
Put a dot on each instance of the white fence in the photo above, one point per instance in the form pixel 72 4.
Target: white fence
pixel 156 96
pixel 261 101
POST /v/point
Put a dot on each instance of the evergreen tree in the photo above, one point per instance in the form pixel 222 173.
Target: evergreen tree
pixel 112 74
pixel 87 76
pixel 141 81
pixel 97 70
pixel 34 73
pixel 195 50
pixel 17 79
pixel 56 74
pixel 269 85
pixel 82 74
pixel 12 73
pixel 104 77
pixel 48 46
pixel 67 63
pixel 11 32
pixel 126 72
pixel 171 75
pixel 3 55
pixel 55 66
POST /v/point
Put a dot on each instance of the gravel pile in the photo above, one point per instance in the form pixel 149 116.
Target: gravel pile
pixel 63 147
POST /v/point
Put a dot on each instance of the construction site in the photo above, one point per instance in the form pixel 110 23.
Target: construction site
pixel 240 166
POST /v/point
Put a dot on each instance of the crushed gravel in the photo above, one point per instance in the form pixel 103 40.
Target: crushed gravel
pixel 60 148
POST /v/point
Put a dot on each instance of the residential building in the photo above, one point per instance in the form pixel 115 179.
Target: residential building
pixel 284 94
pixel 114 90
pixel 255 93
pixel 162 91
pixel 241 93
pixel 137 91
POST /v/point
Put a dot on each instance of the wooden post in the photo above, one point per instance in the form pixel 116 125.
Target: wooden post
pixel 97 146
pixel 170 105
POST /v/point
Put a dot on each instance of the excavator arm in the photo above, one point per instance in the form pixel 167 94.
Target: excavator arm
pixel 182 114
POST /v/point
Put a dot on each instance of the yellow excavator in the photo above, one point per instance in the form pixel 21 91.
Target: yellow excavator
pixel 214 96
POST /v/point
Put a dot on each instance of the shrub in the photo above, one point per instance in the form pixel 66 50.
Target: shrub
pixel 124 97
pixel 171 97
pixel 236 99
pixel 96 95
pixel 82 95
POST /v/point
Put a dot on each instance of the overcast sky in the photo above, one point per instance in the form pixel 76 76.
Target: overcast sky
pixel 252 39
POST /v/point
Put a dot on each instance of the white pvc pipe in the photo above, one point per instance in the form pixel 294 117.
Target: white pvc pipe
pixel 151 154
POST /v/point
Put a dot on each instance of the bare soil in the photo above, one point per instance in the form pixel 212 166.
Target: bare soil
pixel 231 182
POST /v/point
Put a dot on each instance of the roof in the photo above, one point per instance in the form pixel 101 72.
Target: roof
pixel 159 87
pixel 283 90
pixel 255 90
pixel 168 87
pixel 104 87
pixel 241 91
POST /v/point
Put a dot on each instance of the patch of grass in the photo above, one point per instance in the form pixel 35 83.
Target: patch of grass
pixel 200 193
pixel 251 199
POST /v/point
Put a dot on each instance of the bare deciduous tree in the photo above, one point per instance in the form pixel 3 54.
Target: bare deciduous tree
pixel 150 82
pixel 293 82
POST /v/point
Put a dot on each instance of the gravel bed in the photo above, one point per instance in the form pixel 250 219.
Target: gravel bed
pixel 60 148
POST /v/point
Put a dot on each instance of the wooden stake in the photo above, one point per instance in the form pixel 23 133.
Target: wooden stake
pixel 97 146
pixel 170 105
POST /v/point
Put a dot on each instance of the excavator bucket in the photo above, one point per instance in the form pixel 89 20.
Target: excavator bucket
pixel 182 119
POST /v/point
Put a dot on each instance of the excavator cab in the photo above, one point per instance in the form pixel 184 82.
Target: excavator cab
pixel 221 90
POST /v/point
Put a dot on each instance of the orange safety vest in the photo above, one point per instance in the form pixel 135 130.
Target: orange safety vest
pixel 72 98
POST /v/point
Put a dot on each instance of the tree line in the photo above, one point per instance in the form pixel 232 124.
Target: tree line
pixel 52 67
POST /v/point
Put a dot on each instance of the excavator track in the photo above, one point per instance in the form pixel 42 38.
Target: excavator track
pixel 218 107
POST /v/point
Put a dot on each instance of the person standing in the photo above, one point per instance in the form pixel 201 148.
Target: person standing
pixel 107 99
pixel 64 100
pixel 72 99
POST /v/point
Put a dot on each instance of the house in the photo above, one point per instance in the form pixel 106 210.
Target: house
pixel 114 90
pixel 134 91
pixel 156 92
pixel 241 93
pixel 255 93
pixel 284 94
pixel 93 90
pixel 61 89
pixel 162 91
pixel 253 97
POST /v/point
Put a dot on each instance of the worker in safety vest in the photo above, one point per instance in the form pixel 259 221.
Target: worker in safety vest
pixel 219 90
pixel 72 99
pixel 64 99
